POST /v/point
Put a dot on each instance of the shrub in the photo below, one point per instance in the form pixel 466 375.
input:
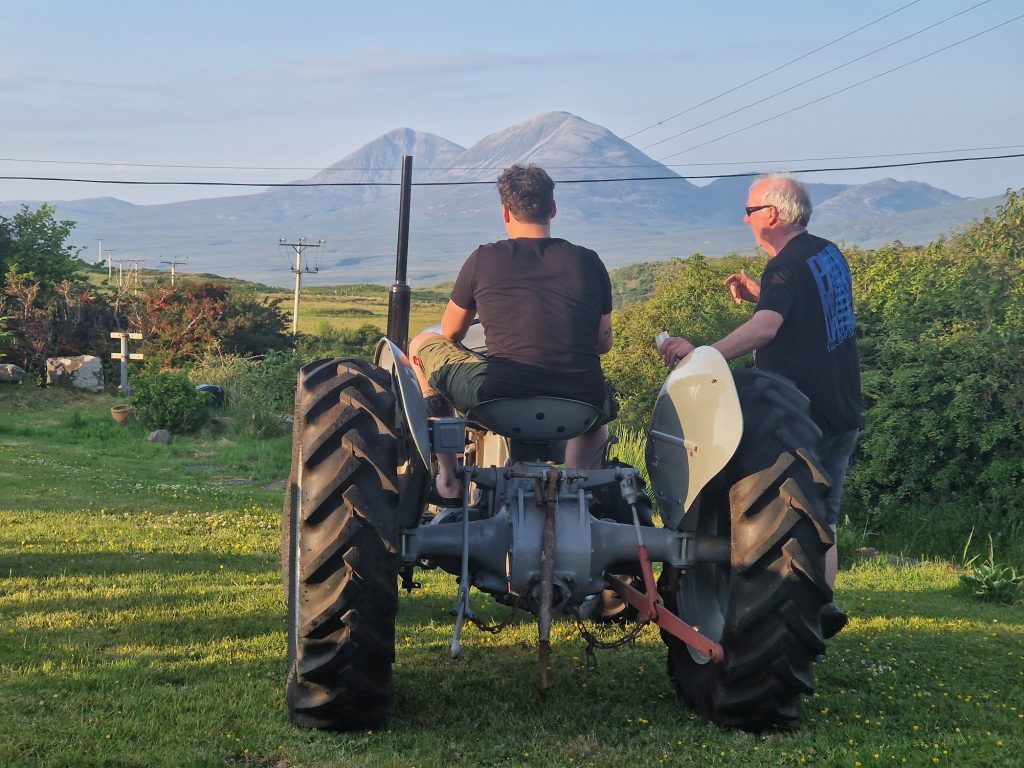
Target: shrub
pixel 259 390
pixel 689 300
pixel 329 342
pixel 169 401
pixel 942 348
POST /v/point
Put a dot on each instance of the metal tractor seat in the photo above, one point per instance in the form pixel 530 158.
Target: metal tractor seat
pixel 535 424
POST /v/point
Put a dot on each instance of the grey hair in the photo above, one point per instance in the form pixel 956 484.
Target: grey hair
pixel 788 196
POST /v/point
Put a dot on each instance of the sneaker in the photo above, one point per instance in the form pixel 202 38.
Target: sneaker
pixel 833 619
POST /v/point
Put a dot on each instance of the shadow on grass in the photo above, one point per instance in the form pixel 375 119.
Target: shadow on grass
pixel 35 565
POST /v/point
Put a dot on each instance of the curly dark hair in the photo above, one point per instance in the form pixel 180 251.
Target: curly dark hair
pixel 528 192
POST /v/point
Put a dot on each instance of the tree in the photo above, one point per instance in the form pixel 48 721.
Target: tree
pixel 34 243
pixel 65 319
pixel 182 324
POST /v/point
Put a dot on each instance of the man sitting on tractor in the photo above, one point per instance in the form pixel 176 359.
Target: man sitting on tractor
pixel 545 305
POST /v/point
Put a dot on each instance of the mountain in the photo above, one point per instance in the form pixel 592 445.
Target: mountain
pixel 374 163
pixel 627 220
pixel 884 198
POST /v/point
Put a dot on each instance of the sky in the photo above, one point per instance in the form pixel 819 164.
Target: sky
pixel 115 89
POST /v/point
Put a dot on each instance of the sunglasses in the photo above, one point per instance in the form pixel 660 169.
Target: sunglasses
pixel 754 208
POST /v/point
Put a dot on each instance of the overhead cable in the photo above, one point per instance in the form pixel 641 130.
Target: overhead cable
pixel 812 79
pixel 771 72
pixel 847 88
pixel 444 169
pixel 472 183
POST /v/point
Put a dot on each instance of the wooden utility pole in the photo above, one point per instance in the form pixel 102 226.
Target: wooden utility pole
pixel 173 264
pixel 135 270
pixel 299 247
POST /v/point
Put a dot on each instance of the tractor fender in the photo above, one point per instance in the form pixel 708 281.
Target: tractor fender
pixel 391 358
pixel 695 429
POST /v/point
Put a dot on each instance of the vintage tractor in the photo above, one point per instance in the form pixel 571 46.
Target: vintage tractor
pixel 742 541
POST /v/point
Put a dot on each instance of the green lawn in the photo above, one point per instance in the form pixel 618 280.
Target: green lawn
pixel 143 624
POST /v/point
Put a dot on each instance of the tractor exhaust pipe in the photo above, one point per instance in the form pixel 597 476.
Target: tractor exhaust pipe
pixel 399 295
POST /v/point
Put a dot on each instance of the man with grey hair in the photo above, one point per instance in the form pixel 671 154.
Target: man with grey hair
pixel 803 328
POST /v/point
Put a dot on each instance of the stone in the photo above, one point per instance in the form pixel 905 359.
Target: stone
pixel 160 436
pixel 11 373
pixel 82 371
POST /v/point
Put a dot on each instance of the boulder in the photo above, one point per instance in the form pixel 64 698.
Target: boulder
pixel 82 371
pixel 11 373
pixel 160 436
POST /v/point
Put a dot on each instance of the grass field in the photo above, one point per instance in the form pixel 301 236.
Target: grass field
pixel 143 624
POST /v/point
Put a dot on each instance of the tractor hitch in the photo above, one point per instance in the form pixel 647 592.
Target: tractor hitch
pixel 650 608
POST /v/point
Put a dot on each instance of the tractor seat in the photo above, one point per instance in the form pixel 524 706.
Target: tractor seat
pixel 535 419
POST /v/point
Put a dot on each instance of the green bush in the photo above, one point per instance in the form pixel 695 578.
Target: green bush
pixel 259 390
pixel 169 401
pixel 689 300
pixel 330 342
pixel 942 350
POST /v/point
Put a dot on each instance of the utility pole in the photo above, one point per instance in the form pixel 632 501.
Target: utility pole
pixel 299 247
pixel 110 264
pixel 173 264
pixel 135 270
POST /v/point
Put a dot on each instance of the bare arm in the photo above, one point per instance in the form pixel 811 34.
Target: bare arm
pixel 456 321
pixel 604 334
pixel 755 333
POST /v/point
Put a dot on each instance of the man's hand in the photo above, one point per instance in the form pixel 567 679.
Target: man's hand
pixel 743 287
pixel 673 350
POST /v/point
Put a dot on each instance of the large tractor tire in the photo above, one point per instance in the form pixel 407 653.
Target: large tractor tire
pixel 339 536
pixel 763 607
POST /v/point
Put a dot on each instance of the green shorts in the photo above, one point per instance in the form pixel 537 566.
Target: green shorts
pixel 460 373
pixel 453 370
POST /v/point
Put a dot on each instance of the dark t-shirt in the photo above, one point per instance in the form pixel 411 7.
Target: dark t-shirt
pixel 809 283
pixel 540 301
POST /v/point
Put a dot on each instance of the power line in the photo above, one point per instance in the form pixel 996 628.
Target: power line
pixel 491 182
pixel 605 166
pixel 812 79
pixel 835 157
pixel 771 72
pixel 847 88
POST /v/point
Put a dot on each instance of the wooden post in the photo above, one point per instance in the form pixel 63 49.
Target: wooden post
pixel 124 387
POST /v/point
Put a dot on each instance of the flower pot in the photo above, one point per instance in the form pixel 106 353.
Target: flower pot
pixel 122 414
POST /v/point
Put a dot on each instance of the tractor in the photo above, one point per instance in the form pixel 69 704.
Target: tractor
pixel 741 542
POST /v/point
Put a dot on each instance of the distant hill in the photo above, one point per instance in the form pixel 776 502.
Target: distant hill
pixel 625 221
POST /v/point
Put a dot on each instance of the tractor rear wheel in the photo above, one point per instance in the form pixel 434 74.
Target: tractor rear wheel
pixel 339 537
pixel 763 608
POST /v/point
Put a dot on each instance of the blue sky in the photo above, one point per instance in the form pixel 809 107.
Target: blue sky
pixel 301 84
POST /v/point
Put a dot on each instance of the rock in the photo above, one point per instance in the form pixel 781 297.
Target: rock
pixel 83 371
pixel 9 372
pixel 160 436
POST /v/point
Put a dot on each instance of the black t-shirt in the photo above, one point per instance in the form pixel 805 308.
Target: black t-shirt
pixel 540 301
pixel 809 283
